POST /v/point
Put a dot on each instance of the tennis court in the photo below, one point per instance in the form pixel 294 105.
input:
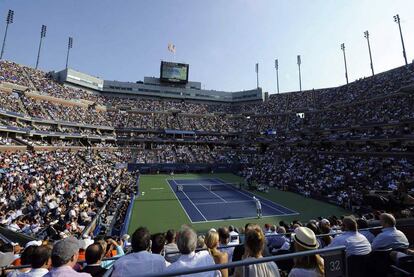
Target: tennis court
pixel 212 199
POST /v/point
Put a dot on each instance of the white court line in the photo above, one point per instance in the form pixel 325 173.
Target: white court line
pixel 192 203
pixel 240 218
pixel 189 218
pixel 292 211
pixel 221 198
pixel 260 197
pixel 228 202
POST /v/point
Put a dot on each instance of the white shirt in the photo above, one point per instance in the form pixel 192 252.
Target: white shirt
pixel 303 272
pixel 194 260
pixel 355 243
pixel 390 238
pixel 234 238
pixel 139 263
pixel 36 272
pixel 258 204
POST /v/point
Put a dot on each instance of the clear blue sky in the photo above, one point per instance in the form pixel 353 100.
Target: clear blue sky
pixel 220 39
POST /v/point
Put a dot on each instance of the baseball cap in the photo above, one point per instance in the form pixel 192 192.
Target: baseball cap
pixel 66 248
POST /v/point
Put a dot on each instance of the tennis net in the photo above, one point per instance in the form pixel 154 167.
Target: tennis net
pixel 206 187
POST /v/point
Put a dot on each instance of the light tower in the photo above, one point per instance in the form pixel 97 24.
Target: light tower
pixel 9 20
pixel 277 74
pixel 300 76
pixel 366 35
pixel 42 35
pixel 346 68
pixel 70 45
pixel 398 21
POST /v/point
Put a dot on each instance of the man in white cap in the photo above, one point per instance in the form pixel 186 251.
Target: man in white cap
pixel 258 207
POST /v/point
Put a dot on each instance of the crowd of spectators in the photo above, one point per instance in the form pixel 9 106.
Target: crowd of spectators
pixel 340 179
pixel 173 251
pixel 57 192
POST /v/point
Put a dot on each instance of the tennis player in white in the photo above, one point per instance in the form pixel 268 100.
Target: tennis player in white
pixel 258 207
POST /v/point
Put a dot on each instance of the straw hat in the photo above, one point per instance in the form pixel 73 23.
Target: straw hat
pixel 306 238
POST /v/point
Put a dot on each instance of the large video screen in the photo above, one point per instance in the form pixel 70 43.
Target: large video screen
pixel 174 72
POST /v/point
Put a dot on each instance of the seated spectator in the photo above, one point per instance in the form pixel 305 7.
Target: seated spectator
pixel 355 243
pixel 278 239
pixel 65 255
pixel 224 238
pixel 171 246
pixel 41 262
pixel 200 242
pixel 234 235
pixel 93 257
pixel 309 266
pixel 7 255
pixel 158 243
pixel 187 242
pixel 109 245
pixel 254 244
pixel 390 237
pixel 325 228
pixel 140 258
pixel 363 224
pixel 220 257
pixel 25 259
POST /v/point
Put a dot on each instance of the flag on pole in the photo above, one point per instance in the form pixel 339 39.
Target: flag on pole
pixel 257 68
pixel 171 48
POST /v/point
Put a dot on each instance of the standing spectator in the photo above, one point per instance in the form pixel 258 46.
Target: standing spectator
pixel 255 242
pixel 93 256
pixel 212 241
pixel 310 266
pixel 171 246
pixel 187 242
pixel 390 237
pixel 140 258
pixel 65 255
pixel 41 262
pixel 356 244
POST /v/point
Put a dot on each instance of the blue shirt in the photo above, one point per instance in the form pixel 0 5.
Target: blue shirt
pixel 354 242
pixel 390 238
pixel 276 240
pixel 370 236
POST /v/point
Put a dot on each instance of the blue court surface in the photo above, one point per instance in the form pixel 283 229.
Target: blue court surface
pixel 222 202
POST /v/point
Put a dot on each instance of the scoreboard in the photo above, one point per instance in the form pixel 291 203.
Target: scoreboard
pixel 174 72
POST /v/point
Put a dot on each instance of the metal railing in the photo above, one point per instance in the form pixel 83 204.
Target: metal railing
pixel 334 262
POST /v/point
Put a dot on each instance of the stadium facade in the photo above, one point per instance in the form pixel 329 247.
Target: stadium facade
pixel 154 88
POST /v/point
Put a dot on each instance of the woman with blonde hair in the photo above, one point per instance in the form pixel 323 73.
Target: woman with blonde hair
pixel 212 241
pixel 309 266
pixel 254 243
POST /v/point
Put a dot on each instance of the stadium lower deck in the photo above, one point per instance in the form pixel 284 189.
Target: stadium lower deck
pixel 160 206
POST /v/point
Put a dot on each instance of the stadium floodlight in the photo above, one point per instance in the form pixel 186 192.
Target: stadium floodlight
pixel 300 75
pixel 257 75
pixel 42 35
pixel 9 20
pixel 398 21
pixel 277 74
pixel 346 68
pixel 70 45
pixel 366 35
